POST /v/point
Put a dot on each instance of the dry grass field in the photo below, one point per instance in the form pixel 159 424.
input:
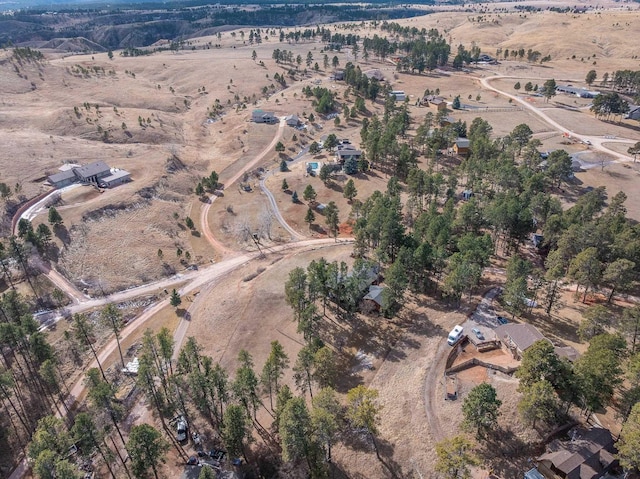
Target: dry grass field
pixel 111 240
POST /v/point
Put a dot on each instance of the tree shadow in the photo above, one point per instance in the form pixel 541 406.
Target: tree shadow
pixel 360 440
pixel 508 454
pixel 332 185
pixel 62 233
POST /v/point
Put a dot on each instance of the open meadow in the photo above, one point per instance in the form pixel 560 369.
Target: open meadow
pixel 172 117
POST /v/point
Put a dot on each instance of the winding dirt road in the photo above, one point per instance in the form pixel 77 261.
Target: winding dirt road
pixel 597 142
pixel 204 214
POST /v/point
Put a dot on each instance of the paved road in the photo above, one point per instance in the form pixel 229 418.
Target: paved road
pixel 597 142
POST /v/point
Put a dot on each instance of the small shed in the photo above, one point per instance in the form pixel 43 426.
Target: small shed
pixel 461 146
pixel 399 95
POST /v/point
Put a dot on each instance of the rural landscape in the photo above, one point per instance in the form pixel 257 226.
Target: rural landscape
pixel 320 241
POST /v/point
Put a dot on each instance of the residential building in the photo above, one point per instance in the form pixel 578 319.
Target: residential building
pixel 62 179
pixel 117 177
pixel 97 173
pixel 436 103
pixel 374 297
pixel 461 146
pixel 634 113
pixel 259 116
pixel 92 172
pixel 589 454
pixel 579 92
pixel 292 120
pixel 347 154
pixel 517 338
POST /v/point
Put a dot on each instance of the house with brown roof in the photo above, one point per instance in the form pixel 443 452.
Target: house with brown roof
pixel 436 103
pixel 589 454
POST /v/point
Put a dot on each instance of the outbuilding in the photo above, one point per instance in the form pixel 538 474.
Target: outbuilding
pixel 461 146
pixel 117 177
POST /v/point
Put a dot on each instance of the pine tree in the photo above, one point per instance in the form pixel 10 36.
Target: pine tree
pixel 310 217
pixel 175 299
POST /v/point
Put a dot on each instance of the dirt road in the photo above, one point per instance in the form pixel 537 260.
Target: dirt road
pixel 597 142
pixel 204 214
pixel 272 201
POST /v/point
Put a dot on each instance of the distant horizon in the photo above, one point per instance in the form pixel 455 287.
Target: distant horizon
pixel 7 5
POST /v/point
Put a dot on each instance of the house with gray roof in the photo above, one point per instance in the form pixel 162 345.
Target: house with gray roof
pixel 97 173
pixel 117 177
pixel 259 116
pixel 374 297
pixel 347 154
pixel 62 179
pixel 634 113
pixel 517 338
pixel 92 172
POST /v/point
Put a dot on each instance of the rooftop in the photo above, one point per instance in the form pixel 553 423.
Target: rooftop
pixel 522 335
pixel 585 456
pixel 115 175
pixel 375 294
pixel 92 169
pixel 62 176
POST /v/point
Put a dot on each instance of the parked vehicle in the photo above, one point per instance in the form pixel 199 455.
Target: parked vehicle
pixel 455 335
pixel 502 320
pixel 181 429
pixel 478 333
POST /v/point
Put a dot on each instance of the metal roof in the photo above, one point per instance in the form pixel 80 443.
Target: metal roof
pixel 92 169
pixel 62 176
pixel 116 175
